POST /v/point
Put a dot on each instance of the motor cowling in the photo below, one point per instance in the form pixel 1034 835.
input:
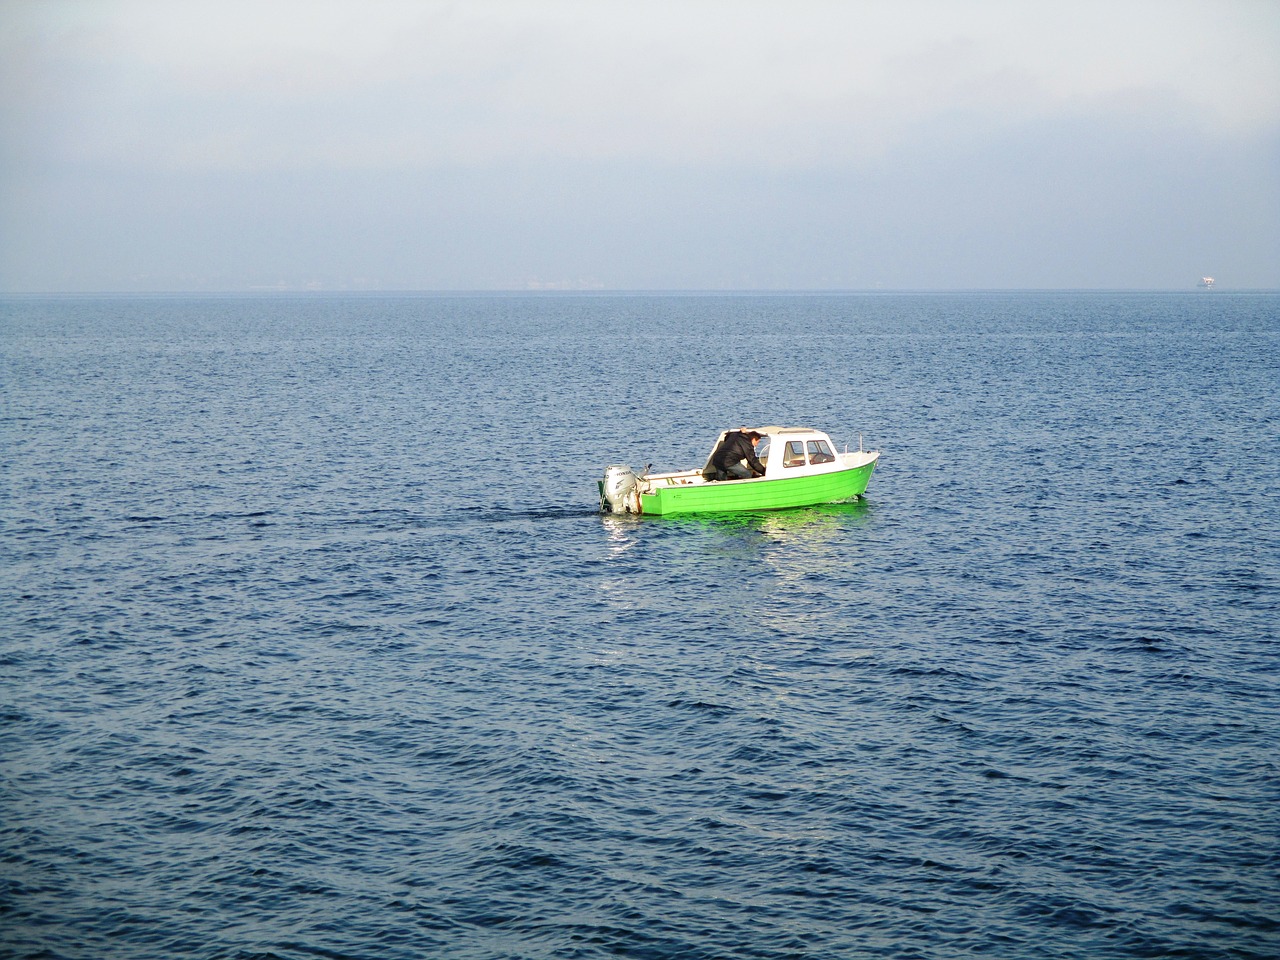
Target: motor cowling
pixel 619 489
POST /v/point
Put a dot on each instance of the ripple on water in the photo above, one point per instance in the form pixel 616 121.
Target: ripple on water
pixel 283 678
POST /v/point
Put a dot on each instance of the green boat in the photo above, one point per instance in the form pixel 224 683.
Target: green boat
pixel 801 470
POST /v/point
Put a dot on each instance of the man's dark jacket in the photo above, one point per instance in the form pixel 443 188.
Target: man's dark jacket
pixel 735 446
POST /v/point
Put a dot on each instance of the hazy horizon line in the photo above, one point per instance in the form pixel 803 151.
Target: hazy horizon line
pixel 607 292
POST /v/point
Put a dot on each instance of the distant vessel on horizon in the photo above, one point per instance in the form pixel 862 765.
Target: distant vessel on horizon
pixel 1206 282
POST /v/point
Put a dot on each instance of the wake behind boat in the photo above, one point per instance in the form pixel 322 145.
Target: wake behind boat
pixel 801 469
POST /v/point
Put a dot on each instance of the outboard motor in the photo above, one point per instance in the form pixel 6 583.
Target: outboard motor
pixel 617 494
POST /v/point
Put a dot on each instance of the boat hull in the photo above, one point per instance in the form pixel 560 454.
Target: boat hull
pixel 664 499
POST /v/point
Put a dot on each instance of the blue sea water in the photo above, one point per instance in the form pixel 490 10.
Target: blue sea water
pixel 316 645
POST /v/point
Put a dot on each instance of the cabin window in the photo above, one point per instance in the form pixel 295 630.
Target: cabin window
pixel 762 451
pixel 793 456
pixel 820 452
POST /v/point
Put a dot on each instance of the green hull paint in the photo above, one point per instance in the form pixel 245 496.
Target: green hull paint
pixel 744 495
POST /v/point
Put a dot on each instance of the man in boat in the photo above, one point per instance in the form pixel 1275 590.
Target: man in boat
pixel 727 459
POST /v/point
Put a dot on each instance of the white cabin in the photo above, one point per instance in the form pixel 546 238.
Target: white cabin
pixel 792 451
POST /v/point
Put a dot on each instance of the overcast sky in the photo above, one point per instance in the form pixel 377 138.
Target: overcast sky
pixel 700 144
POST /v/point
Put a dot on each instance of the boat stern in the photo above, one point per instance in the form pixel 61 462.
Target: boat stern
pixel 619 490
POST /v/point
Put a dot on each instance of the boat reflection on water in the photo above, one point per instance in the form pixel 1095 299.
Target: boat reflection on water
pixel 829 517
pixel 789 563
pixel 799 525
pixel 795 545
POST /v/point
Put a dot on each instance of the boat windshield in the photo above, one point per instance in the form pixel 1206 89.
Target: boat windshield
pixel 820 452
